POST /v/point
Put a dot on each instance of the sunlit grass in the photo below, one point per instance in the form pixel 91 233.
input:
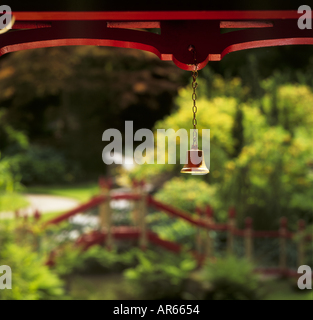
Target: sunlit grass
pixel 286 290
pixel 13 201
pixel 50 215
pixel 82 192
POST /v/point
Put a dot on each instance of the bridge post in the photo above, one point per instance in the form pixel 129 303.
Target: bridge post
pixel 231 227
pixel 136 210
pixel 283 245
pixel 248 239
pixel 105 213
pixel 143 240
pixel 17 214
pixel 301 243
pixel 36 231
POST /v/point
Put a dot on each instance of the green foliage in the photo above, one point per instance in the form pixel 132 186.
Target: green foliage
pixel 82 91
pixel 230 278
pixel 31 279
pixel 261 151
pixel 10 202
pixel 97 259
pixel 6 179
pixel 68 260
pixel 7 232
pixel 187 193
pixel 171 229
pixel 222 111
pixel 10 179
pixel 110 260
pixel 9 182
pixel 30 164
pixel 160 276
pixel 44 165
pixel 272 175
pixel 111 286
pixel 11 138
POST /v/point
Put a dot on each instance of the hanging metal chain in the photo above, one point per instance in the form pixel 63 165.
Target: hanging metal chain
pixel 194 95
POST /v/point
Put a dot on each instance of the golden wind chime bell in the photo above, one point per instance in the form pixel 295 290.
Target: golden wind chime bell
pixel 195 163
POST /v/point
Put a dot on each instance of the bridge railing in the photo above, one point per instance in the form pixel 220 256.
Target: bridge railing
pixel 202 220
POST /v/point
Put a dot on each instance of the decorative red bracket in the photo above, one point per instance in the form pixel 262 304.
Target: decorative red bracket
pixel 176 36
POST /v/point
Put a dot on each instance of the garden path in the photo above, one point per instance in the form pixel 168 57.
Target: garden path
pixel 44 204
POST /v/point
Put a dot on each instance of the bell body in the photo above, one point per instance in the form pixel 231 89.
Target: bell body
pixel 195 163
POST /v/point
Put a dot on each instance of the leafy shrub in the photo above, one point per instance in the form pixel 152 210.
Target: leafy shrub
pixel 44 165
pixel 230 278
pixel 186 194
pixel 160 276
pixel 31 279
pixel 68 260
pixel 262 159
pixel 106 261
pixel 97 259
pixel 9 182
pixel 196 193
pixel 10 202
pixel 171 229
pixel 9 185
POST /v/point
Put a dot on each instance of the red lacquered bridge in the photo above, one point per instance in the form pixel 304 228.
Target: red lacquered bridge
pixel 202 220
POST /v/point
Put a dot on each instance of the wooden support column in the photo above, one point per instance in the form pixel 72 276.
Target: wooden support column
pixel 209 242
pixel 301 243
pixel 283 245
pixel 249 239
pixel 36 231
pixel 136 209
pixel 231 227
pixel 143 240
pixel 105 213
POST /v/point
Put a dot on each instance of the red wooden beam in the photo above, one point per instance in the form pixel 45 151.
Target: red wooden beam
pixel 82 208
pixel 127 196
pixel 245 24
pixel 169 245
pixel 173 211
pixel 283 33
pixel 134 24
pixel 185 216
pixel 156 24
pixel 124 232
pixel 158 15
pixel 172 44
pixel 30 25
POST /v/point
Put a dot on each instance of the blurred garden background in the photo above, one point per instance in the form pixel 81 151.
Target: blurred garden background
pixel 55 103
